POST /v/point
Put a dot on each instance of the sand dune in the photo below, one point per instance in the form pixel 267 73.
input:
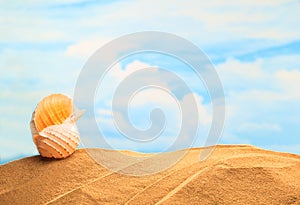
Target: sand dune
pixel 238 174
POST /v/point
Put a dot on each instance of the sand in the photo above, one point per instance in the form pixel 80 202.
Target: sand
pixel 234 174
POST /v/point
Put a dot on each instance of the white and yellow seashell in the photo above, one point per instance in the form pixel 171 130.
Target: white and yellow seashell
pixel 53 127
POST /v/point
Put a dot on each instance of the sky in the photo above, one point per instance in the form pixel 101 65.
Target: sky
pixel 253 45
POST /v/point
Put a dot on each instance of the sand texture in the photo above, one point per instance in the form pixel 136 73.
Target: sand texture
pixel 233 174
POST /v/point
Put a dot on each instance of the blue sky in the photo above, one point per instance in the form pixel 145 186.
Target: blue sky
pixel 254 46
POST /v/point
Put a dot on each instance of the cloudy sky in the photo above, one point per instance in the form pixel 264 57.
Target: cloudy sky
pixel 254 46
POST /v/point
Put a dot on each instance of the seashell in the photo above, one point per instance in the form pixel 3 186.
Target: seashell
pixel 53 127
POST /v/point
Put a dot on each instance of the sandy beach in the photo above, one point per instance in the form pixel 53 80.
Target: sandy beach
pixel 233 174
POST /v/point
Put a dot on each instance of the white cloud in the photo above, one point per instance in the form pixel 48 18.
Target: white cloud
pixel 141 105
pixel 104 112
pixel 289 83
pixel 282 62
pixel 260 99
pixel 261 79
pixel 204 114
pixel 114 76
pixel 254 126
pixel 241 75
pixel 244 70
pixel 37 2
pixel 119 74
pixel 85 49
pixel 87 26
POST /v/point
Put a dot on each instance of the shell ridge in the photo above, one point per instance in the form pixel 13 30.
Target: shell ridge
pixel 67 147
pixel 44 117
pixel 44 151
pixel 59 130
pixel 59 136
pixel 52 150
pixel 72 131
pixel 50 143
pixel 56 141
